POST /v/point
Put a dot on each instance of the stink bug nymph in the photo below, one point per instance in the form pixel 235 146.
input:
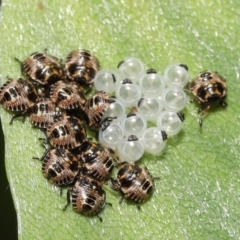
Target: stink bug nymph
pixel 87 196
pixel 42 68
pixel 95 107
pixel 44 113
pixel 81 66
pixel 98 161
pixel 18 95
pixel 209 89
pixel 133 181
pixel 59 166
pixel 67 132
pixel 67 95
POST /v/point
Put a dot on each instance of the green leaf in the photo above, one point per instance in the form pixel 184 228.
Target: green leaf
pixel 198 195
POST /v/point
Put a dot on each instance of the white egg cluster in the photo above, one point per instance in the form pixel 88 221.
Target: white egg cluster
pixel 142 96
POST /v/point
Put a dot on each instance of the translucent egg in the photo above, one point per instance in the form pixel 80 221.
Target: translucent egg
pixel 128 93
pixel 171 122
pixel 176 75
pixel 106 80
pixel 154 140
pixel 151 83
pixel 150 108
pixel 131 68
pixel 130 149
pixel 111 136
pixel 174 99
pixel 134 124
pixel 115 110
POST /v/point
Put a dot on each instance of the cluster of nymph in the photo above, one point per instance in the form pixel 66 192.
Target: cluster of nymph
pixel 68 100
pixel 55 96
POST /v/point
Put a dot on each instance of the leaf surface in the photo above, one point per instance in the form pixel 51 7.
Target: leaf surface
pixel 198 194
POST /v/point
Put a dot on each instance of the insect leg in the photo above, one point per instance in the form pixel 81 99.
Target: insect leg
pixel 68 199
